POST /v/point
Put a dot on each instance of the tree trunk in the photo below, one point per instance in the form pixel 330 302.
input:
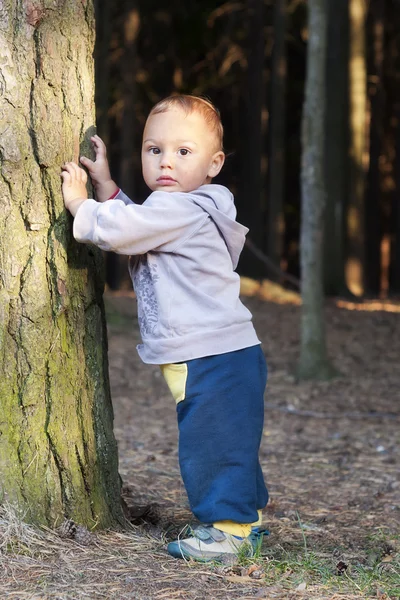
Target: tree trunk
pixel 394 270
pixel 355 268
pixel 336 147
pixel 251 201
pixel 277 123
pixel 392 142
pixel 102 64
pixel 373 199
pixel 128 125
pixel 58 455
pixel 314 363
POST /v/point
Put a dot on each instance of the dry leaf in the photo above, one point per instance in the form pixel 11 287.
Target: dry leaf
pixel 387 558
pixel 253 568
pixel 301 587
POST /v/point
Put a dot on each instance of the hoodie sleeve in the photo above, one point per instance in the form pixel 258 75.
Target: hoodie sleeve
pixel 161 223
pixel 123 197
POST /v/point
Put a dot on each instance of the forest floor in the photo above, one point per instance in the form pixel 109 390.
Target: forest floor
pixel 330 453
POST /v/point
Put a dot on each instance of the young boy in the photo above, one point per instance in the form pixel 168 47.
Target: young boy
pixel 185 244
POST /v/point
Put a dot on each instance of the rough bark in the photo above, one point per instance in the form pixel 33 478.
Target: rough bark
pixel 58 455
pixel 314 363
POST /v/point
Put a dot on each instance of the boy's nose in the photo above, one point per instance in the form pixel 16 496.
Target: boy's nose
pixel 166 160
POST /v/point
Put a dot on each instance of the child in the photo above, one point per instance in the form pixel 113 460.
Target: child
pixel 184 244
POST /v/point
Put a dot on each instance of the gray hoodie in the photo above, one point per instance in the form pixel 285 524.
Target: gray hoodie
pixel 184 248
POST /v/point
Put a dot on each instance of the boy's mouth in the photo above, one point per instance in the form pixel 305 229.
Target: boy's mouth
pixel 166 180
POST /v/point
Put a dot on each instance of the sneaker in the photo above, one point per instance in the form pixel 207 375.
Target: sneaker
pixel 209 544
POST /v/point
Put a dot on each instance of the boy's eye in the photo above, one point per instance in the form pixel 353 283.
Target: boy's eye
pixel 183 151
pixel 154 150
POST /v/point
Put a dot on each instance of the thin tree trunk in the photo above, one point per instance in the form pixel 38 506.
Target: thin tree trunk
pixel 392 142
pixel 58 455
pixel 277 123
pixel 394 269
pixel 251 198
pixel 336 147
pixel 128 79
pixel 355 268
pixel 102 65
pixel 373 216
pixel 314 363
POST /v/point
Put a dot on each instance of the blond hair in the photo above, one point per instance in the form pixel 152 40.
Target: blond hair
pixel 190 104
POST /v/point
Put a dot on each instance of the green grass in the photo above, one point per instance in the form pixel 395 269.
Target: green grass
pixel 376 574
pixel 373 571
pixel 293 569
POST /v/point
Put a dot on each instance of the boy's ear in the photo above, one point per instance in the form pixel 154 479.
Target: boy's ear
pixel 217 162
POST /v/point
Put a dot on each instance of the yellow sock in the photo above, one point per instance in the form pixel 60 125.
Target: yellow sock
pixel 238 529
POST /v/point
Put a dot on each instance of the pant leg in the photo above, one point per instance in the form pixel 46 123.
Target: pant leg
pixel 220 428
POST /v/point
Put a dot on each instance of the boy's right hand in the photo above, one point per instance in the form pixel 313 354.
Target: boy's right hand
pixel 99 170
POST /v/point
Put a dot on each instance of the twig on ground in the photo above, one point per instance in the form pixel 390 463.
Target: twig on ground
pixel 338 415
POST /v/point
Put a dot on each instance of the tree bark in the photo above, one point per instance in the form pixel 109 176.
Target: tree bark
pixel 314 363
pixel 58 455
pixel 277 124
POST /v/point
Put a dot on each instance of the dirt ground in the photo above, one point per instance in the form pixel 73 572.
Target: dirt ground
pixel 330 453
pixel 330 450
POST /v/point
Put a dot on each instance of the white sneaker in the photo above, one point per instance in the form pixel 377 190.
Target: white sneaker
pixel 207 543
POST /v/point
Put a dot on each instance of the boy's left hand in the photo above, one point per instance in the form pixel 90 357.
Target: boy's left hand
pixel 73 186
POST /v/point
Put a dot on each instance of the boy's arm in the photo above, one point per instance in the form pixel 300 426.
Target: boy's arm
pixel 163 222
pixel 99 171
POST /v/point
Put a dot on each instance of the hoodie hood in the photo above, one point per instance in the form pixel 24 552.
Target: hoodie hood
pixel 218 202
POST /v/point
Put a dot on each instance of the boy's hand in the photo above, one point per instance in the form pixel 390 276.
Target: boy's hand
pixel 99 170
pixel 73 186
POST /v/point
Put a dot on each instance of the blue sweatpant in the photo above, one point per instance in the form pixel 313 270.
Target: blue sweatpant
pixel 220 424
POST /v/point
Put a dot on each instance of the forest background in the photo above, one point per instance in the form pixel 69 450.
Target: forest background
pixel 330 448
pixel 249 58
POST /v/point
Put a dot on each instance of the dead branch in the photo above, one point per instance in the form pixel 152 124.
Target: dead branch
pixel 271 265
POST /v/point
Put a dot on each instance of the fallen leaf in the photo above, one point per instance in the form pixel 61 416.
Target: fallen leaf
pixel 301 587
pixel 253 568
pixel 387 558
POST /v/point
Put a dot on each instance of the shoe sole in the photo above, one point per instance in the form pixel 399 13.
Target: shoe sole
pixel 177 551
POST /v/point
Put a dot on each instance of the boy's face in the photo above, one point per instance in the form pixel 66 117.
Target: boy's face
pixel 179 152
